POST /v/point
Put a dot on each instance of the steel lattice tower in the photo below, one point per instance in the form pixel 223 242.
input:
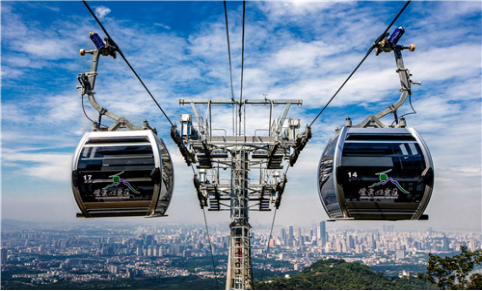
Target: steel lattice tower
pixel 239 262
pixel 240 193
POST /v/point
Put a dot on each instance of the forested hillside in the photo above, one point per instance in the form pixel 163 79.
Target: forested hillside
pixel 337 275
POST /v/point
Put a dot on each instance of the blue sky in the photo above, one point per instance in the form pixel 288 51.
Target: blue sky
pixel 301 50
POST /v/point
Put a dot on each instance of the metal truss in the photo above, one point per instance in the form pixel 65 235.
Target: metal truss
pixel 255 183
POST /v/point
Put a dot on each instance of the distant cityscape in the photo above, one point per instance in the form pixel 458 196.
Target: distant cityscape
pixel 43 255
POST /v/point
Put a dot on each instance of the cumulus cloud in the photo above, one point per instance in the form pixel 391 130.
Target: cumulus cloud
pixel 101 12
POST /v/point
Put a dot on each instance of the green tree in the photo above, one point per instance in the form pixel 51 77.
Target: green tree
pixel 454 272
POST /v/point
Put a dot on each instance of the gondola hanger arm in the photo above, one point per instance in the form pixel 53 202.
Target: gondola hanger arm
pixel 87 80
pixel 388 45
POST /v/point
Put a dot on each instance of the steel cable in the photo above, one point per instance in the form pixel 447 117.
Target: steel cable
pixel 229 50
pixel 211 248
pixel 230 63
pixel 380 38
pixel 242 67
pixel 269 239
pixel 112 42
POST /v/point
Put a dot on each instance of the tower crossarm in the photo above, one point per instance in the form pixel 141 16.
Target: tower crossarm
pixel 244 102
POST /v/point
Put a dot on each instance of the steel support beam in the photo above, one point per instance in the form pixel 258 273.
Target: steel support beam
pixel 239 273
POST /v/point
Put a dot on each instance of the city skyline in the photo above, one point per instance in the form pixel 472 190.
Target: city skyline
pixel 78 254
pixel 301 50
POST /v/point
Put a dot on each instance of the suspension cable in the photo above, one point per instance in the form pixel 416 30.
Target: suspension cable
pixel 269 239
pixel 230 63
pixel 380 38
pixel 287 168
pixel 229 50
pixel 242 67
pixel 112 42
pixel 209 239
pixel 211 248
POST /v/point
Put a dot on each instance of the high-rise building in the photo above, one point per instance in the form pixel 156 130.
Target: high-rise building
pixel 445 244
pixel 148 240
pixel 400 254
pixel 4 256
pixel 283 234
pixel 371 242
pixel 472 246
pixel 323 230
pixel 149 251
pixel 351 242
pixel 112 269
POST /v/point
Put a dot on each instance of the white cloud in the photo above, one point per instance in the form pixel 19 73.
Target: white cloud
pixel 166 27
pixel 449 63
pixel 279 9
pixel 11 73
pixel 17 61
pixel 45 48
pixel 101 12
pixel 13 113
pixel 46 166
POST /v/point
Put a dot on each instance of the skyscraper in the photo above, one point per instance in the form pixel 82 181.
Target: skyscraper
pixel 283 234
pixel 291 237
pixel 284 237
pixel 351 242
pixel 4 255
pixel 321 231
pixel 445 244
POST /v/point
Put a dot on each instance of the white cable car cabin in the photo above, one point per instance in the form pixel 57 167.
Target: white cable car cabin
pixel 376 174
pixel 122 173
pixel 116 172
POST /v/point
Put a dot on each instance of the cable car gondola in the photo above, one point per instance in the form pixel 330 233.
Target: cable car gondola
pixel 119 172
pixel 123 173
pixel 376 174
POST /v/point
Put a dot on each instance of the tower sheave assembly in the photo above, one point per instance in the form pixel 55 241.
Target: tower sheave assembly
pixel 255 181
pixel 116 172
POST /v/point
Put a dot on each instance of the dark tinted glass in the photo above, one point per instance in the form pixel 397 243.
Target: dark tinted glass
pixel 116 173
pixel 383 172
